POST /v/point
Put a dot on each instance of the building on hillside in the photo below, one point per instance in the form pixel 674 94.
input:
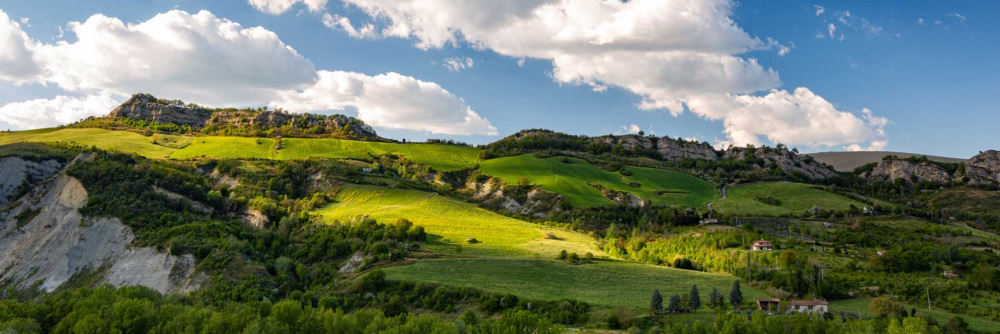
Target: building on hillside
pixel 828 224
pixel 768 304
pixel 762 245
pixel 707 221
pixel 810 306
pixel 950 274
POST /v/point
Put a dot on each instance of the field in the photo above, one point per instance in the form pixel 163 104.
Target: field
pixel 605 283
pixel 854 305
pixel 438 156
pixel 122 141
pixel 451 223
pixel 571 179
pixel 795 199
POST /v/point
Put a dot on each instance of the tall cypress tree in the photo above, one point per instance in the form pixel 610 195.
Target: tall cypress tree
pixel 694 300
pixel 715 298
pixel 656 303
pixel 675 304
pixel 735 295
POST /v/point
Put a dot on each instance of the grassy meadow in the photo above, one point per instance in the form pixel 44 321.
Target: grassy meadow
pixel 795 198
pixel 605 283
pixel 438 156
pixel 451 222
pixel 122 141
pixel 862 304
pixel 571 179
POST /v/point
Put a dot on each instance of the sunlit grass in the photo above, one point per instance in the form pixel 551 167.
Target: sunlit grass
pixel 795 198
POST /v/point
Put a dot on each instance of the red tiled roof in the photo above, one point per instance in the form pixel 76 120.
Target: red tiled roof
pixel 813 302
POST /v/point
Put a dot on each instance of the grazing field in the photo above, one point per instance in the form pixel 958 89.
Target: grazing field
pixel 122 141
pixel 795 199
pixel 942 317
pixel 571 179
pixel 438 156
pixel 227 147
pixel 607 283
pixel 450 223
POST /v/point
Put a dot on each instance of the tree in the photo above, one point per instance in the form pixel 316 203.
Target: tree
pixel 715 298
pixel 735 295
pixel 656 303
pixel 694 301
pixel 881 306
pixel 956 325
pixel 675 304
pixel 562 255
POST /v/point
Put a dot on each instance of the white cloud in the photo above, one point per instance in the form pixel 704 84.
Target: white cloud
pixel 631 128
pixel 960 17
pixel 830 29
pixel 389 100
pixel 921 21
pixel 458 64
pixel 796 118
pixel 213 61
pixel 43 113
pixel 669 53
pixel 17 62
pixel 199 57
pixel 819 10
pixel 277 7
pixel 366 31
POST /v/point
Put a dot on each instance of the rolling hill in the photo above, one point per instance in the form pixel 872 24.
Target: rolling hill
pixel 848 161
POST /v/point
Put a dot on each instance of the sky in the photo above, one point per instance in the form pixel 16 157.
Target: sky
pixel 911 76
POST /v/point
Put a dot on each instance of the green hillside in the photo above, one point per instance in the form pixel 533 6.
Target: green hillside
pixel 439 156
pixel 123 141
pixel 571 179
pixel 602 283
pixel 793 199
pixel 453 222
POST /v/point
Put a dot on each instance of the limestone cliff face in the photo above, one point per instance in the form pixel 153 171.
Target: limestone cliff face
pixel 45 241
pixel 786 160
pixel 18 175
pixel 676 150
pixel 148 108
pixel 984 168
pixel 892 169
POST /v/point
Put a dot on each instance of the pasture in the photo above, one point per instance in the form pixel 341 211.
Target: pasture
pixel 605 283
pixel 450 223
pixel 795 199
pixel 572 177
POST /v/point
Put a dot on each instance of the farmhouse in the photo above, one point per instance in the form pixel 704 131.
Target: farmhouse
pixel 768 304
pixel 707 221
pixel 810 306
pixel 762 245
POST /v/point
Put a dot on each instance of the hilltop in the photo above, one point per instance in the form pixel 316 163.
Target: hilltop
pixel 147 112
pixel 848 161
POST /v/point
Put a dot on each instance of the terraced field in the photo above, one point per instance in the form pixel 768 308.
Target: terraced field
pixel 451 223
pixel 794 198
pixel 605 283
pixel 571 179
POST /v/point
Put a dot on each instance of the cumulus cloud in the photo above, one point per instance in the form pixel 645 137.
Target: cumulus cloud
pixel 212 61
pixel 800 117
pixel 458 64
pixel 671 54
pixel 17 63
pixel 366 31
pixel 389 100
pixel 277 7
pixel 631 128
pixel 43 113
pixel 819 10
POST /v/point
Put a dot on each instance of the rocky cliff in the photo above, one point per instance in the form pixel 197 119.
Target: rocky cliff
pixel 984 168
pixel 667 148
pixel 45 242
pixel 148 108
pixel 782 158
pixel 888 170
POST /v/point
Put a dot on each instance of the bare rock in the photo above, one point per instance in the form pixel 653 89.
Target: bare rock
pixel 984 168
pixel 891 169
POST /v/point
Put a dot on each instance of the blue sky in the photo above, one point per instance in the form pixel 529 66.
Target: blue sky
pixel 925 67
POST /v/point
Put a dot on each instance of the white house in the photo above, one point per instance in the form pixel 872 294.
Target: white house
pixel 810 306
pixel 762 245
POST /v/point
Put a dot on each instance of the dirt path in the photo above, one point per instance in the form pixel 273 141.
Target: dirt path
pixel 709 205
